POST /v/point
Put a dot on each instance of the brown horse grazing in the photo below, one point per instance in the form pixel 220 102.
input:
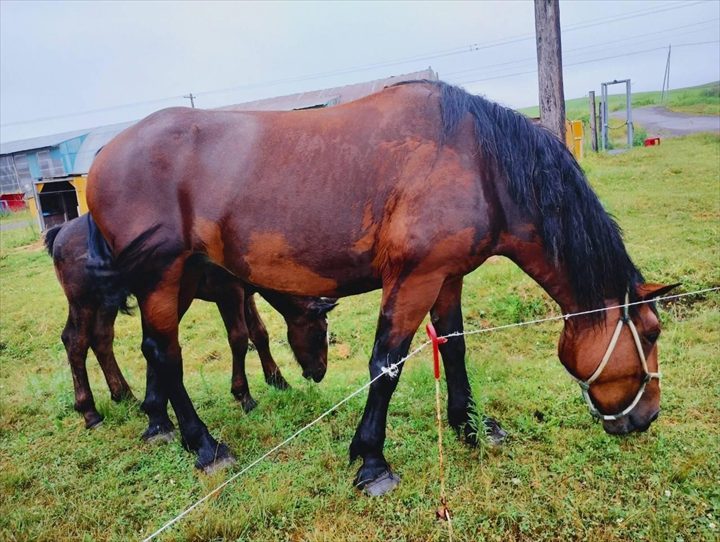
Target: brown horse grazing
pixel 406 190
pixel 90 325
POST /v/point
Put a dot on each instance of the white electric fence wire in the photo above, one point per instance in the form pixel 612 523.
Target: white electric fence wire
pixel 392 371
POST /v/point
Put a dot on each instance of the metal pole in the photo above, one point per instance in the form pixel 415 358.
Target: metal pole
pixel 628 101
pixel 666 75
pixel 668 71
pixel 192 97
pixel 603 117
pixel 593 122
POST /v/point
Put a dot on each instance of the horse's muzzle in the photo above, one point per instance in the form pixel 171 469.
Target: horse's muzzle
pixel 630 424
pixel 316 375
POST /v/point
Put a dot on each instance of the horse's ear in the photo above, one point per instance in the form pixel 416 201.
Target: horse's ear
pixel 649 291
pixel 323 305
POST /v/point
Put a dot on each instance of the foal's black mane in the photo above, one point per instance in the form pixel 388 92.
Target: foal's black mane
pixel 545 180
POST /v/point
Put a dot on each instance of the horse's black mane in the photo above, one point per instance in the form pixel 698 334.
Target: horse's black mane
pixel 545 179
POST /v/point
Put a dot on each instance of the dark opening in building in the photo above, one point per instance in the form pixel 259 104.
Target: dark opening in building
pixel 58 202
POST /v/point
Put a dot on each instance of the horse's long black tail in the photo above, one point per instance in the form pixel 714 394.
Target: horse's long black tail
pixel 111 282
pixel 49 238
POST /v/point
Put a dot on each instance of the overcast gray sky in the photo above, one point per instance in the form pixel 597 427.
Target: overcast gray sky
pixel 59 59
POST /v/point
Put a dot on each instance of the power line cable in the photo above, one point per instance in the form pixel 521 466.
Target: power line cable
pixel 662 33
pixel 584 62
pixel 449 52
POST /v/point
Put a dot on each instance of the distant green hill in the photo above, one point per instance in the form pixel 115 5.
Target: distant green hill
pixel 700 100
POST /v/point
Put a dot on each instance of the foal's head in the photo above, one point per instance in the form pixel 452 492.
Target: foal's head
pixel 615 361
pixel 306 319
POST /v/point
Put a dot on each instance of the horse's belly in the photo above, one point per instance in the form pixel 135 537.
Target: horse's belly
pixel 269 260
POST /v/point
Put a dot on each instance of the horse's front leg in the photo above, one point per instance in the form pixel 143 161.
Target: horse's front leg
pixel 405 304
pixel 161 314
pixel 447 318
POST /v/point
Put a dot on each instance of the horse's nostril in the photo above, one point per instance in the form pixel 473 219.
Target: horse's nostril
pixel 655 416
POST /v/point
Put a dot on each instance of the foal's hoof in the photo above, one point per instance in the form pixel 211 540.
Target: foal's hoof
pixel 221 459
pixel 159 433
pixel 93 420
pixel 246 402
pixel 380 485
pixel 276 380
pixel 494 433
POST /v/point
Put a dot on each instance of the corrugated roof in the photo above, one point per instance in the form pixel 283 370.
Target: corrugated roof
pixel 41 142
pixel 96 140
pixel 100 136
pixel 328 96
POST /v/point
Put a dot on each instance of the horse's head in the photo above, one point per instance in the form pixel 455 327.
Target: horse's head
pixel 307 334
pixel 615 362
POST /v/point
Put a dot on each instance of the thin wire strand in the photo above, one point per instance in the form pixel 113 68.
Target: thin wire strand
pixel 391 371
pixel 469 48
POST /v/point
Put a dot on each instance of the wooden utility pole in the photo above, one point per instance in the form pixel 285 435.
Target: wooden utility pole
pixel 593 119
pixel 191 97
pixel 549 57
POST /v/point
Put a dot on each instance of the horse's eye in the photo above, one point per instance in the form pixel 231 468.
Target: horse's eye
pixel 652 337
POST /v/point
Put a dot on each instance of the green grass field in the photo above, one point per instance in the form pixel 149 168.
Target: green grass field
pixel 700 100
pixel 561 478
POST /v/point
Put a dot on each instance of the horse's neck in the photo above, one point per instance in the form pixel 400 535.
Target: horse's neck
pixel 529 254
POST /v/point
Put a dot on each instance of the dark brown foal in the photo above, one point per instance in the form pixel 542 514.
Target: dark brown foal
pixel 90 323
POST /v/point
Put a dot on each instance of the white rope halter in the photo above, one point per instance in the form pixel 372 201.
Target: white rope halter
pixel 648 376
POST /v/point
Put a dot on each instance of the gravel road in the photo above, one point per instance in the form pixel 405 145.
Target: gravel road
pixel 658 121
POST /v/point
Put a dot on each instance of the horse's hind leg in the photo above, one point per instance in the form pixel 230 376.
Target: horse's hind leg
pixel 160 428
pixel 76 338
pixel 447 318
pixel 102 344
pixel 260 338
pixel 160 313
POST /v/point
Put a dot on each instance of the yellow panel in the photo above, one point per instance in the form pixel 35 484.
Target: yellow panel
pixel 32 206
pixel 80 184
pixel 574 134
pixel 39 186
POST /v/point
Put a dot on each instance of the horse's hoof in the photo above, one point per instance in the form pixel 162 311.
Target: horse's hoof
pixel 93 420
pixel 222 458
pixel 384 483
pixel 219 464
pixel 494 433
pixel 246 402
pixel 159 433
pixel 249 405
pixel 276 380
pixel 159 438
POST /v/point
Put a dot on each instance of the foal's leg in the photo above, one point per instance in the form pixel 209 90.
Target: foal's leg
pixel 160 311
pixel 103 335
pixel 76 338
pixel 260 338
pixel 405 304
pixel 230 306
pixel 447 318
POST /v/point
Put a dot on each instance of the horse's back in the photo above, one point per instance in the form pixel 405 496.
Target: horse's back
pixel 328 193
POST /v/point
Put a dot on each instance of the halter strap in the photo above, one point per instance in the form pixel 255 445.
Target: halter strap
pixel 648 376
